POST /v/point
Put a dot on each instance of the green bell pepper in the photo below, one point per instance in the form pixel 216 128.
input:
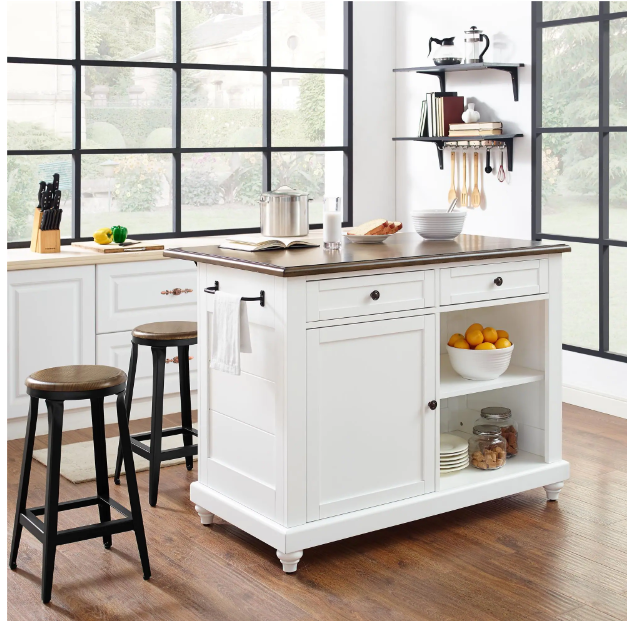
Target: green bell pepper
pixel 119 234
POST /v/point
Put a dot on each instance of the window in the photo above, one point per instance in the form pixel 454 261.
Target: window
pixel 579 160
pixel 172 117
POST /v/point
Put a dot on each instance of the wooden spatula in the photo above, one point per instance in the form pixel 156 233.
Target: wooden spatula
pixel 464 196
pixel 475 199
pixel 452 193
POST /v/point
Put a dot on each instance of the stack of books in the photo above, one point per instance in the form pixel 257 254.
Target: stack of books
pixel 439 110
pixel 475 129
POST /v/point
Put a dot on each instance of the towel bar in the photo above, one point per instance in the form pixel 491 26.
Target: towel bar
pixel 261 299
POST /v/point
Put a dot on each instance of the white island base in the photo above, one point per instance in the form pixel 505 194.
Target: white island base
pixel 333 428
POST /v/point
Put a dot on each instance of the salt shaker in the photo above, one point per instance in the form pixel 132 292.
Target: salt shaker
pixel 332 223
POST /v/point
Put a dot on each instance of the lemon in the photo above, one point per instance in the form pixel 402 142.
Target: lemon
pixel 454 338
pixel 490 335
pixel 474 337
pixel 502 343
pixel 475 326
pixel 485 346
pixel 461 344
pixel 502 334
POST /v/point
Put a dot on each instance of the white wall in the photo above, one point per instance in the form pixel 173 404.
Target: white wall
pixel 373 110
pixel 420 184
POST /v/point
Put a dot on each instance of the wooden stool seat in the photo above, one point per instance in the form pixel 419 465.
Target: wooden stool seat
pixel 75 378
pixel 166 331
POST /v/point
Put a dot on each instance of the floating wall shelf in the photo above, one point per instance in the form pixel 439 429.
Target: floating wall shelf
pixel 442 141
pixel 442 70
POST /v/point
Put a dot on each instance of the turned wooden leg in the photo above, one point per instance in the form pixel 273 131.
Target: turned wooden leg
pixel 206 517
pixel 553 490
pixel 289 560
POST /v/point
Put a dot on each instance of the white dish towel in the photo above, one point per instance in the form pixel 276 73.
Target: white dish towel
pixel 231 333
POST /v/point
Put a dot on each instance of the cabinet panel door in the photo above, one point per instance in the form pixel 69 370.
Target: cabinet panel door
pixel 370 433
pixel 51 323
pixel 130 294
pixel 114 350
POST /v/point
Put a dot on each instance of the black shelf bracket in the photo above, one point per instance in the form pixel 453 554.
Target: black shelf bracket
pixel 513 72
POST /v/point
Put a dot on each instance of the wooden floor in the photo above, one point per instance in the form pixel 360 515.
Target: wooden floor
pixel 515 558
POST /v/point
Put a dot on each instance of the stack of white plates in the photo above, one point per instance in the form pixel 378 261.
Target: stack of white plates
pixel 453 453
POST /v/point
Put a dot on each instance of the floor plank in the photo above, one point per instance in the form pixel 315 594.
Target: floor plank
pixel 513 558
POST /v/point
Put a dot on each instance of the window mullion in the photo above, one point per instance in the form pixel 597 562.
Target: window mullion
pixel 77 114
pixel 176 117
pixel 604 176
pixel 266 183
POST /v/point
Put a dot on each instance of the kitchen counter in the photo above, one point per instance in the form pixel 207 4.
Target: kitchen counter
pixel 399 250
pixel 333 427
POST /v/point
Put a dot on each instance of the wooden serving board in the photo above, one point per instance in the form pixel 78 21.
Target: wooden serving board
pixel 111 248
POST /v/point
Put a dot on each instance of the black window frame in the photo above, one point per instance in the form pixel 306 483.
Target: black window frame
pixel 603 129
pixel 267 69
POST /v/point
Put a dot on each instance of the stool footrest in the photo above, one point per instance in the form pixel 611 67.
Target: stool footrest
pixel 36 527
pixel 170 431
pixel 174 453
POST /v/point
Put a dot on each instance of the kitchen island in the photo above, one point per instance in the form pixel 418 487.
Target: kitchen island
pixel 332 429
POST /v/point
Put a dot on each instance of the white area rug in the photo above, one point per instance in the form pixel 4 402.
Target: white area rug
pixel 77 460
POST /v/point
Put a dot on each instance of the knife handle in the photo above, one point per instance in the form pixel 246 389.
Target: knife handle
pixel 55 182
pixel 40 194
pixel 57 199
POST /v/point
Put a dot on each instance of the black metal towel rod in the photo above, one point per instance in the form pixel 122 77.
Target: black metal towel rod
pixel 261 299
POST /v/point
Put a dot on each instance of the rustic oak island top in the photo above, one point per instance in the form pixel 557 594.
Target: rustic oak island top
pixel 400 250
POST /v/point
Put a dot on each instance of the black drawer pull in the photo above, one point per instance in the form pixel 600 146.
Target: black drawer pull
pixel 498 281
pixel 432 405
pixel 375 295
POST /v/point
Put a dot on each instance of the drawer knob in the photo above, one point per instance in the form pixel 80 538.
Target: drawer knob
pixel 176 291
pixel 175 360
pixel 375 295
pixel 432 405
pixel 498 281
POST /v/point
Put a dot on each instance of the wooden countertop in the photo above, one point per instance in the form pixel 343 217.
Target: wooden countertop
pixel 400 250
pixel 24 259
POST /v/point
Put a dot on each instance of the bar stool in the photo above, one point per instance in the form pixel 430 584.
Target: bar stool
pixel 72 383
pixel 159 336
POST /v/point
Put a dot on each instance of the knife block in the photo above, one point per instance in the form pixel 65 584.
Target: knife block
pixel 44 242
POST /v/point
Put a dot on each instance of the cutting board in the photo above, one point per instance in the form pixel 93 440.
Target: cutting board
pixel 110 248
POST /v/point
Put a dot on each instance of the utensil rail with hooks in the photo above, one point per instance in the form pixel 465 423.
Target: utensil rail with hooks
pixel 261 299
pixel 446 141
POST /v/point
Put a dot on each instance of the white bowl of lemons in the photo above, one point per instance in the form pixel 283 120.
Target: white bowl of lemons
pixel 481 353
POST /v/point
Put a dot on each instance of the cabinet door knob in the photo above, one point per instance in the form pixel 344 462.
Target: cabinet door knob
pixel 176 291
pixel 175 360
pixel 498 281
pixel 375 295
pixel 432 405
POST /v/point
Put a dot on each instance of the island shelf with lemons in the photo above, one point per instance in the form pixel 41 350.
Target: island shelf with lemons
pixel 362 360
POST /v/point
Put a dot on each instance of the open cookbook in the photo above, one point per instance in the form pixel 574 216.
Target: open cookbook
pixel 254 244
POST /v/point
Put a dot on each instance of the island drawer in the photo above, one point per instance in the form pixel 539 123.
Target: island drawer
pixel 337 298
pixel 493 281
pixel 130 294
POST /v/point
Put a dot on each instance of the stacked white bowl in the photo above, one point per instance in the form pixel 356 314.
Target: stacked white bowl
pixel 438 223
pixel 487 364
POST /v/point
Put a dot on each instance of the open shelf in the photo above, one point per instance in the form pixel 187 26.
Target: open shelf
pixel 442 141
pixel 441 70
pixel 522 464
pixel 453 385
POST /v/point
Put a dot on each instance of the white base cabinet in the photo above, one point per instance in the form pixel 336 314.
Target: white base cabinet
pixel 332 429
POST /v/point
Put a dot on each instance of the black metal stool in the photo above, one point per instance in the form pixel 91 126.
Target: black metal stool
pixel 158 336
pixel 72 383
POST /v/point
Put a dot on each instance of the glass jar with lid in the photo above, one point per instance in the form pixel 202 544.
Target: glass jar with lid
pixel 503 418
pixel 487 447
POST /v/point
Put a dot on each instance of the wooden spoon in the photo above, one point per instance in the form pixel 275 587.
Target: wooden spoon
pixel 452 193
pixel 464 197
pixel 475 199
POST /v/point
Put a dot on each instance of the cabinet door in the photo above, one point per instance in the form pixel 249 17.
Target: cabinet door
pixel 51 323
pixel 114 350
pixel 370 433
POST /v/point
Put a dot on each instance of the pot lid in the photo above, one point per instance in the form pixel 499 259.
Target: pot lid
pixel 285 190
